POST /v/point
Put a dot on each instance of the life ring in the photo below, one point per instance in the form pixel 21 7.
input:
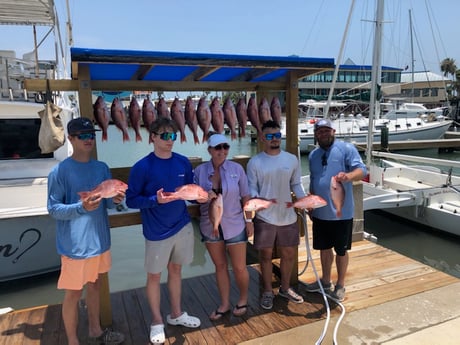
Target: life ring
pixel 312 121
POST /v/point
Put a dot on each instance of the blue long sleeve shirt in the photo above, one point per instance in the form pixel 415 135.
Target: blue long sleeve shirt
pixel 79 234
pixel 147 176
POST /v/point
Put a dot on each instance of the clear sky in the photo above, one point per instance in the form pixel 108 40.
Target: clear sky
pixel 308 28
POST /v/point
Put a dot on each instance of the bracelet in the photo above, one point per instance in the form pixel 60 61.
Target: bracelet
pixel 248 220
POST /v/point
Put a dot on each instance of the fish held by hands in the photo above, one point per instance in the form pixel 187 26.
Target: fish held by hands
pixel 308 202
pixel 337 195
pixel 257 204
pixel 186 192
pixel 107 189
pixel 216 210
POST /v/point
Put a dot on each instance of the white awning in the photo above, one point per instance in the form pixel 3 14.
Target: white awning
pixel 27 12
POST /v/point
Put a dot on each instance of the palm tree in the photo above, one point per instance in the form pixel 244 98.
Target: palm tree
pixel 448 66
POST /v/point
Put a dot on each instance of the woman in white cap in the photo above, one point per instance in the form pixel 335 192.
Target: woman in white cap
pixel 228 178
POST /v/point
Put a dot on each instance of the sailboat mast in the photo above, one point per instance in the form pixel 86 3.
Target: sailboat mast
pixel 412 55
pixel 339 59
pixel 375 76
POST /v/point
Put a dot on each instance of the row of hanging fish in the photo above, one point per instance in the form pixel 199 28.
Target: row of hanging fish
pixel 202 115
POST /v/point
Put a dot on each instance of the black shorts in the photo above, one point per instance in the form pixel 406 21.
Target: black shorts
pixel 335 234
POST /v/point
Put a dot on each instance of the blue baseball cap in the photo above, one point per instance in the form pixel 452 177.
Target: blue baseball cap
pixel 323 123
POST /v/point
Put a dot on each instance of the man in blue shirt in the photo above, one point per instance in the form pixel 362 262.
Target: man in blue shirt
pixel 338 162
pixel 166 223
pixel 83 233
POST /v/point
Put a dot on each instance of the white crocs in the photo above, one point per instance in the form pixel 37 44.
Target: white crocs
pixel 184 320
pixel 157 334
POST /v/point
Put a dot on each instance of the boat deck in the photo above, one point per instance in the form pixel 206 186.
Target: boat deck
pixel 376 275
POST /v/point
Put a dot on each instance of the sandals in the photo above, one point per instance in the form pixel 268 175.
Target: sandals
pixel 217 315
pixel 240 310
pixel 184 320
pixel 157 334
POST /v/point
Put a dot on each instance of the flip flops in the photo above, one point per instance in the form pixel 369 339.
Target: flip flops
pixel 184 320
pixel 240 310
pixel 217 315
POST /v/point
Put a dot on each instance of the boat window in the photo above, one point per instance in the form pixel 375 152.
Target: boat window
pixel 19 139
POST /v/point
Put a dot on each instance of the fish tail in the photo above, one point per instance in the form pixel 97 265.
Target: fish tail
pixel 104 136
pixel 183 138
pixel 125 136
pixel 196 139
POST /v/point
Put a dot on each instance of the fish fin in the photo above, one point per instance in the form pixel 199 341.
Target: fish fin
pixel 289 204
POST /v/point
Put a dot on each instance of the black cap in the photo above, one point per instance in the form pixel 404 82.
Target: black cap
pixel 80 125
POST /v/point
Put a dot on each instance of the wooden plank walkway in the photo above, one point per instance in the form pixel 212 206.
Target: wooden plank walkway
pixel 376 275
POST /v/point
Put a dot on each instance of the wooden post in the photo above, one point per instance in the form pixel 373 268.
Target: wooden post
pixel 292 143
pixel 86 106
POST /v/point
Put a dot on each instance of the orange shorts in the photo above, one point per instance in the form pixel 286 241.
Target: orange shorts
pixel 75 273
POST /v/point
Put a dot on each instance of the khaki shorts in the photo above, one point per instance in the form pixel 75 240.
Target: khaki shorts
pixel 75 273
pixel 266 235
pixel 177 249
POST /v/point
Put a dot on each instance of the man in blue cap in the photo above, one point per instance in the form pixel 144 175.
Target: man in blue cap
pixel 334 165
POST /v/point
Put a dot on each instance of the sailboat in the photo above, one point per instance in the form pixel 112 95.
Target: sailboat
pixel 27 232
pixel 358 129
pixel 423 193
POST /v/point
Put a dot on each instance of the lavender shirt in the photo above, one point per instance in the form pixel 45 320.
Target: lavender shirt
pixel 234 187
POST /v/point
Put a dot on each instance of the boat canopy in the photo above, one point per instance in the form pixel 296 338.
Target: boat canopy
pixel 133 65
pixel 27 12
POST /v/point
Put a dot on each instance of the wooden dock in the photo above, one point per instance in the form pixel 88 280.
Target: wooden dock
pixel 376 275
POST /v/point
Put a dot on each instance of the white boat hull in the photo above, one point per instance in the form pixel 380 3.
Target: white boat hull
pixel 427 197
pixel 356 130
pixel 27 232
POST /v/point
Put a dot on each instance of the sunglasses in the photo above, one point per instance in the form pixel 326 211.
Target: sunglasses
pixel 86 136
pixel 221 146
pixel 168 136
pixel 324 159
pixel 271 136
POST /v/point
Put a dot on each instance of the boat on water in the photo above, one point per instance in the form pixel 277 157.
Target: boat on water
pixel 421 193
pixel 355 128
pixel 27 232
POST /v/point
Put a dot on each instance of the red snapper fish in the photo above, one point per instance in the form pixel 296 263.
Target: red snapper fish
pixel 253 115
pixel 203 116
pixel 102 116
pixel 149 114
pixel 177 114
pixel 107 189
pixel 337 195
pixel 162 108
pixel 117 112
pixel 275 109
pixel 264 111
pixel 257 204
pixel 230 117
pixel 188 192
pixel 217 119
pixel 216 210
pixel 190 118
pixel 242 116
pixel 310 201
pixel 134 113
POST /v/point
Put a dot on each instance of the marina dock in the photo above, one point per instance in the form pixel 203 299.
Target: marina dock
pixel 379 283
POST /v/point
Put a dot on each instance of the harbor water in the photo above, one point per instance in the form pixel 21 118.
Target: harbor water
pixel 430 247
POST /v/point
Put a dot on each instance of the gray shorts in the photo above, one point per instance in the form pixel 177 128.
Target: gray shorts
pixel 177 249
pixel 266 235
